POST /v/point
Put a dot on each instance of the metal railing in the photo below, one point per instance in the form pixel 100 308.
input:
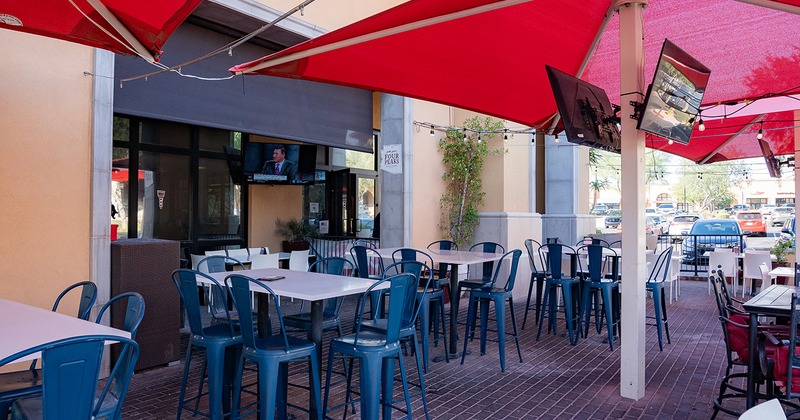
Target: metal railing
pixel 694 249
pixel 338 246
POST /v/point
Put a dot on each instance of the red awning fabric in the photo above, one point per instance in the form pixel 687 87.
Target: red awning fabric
pixel 121 26
pixel 493 62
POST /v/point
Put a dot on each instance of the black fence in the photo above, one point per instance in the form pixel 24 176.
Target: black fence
pixel 694 249
pixel 339 246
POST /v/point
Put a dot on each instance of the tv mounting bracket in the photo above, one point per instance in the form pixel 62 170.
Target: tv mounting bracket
pixel 638 108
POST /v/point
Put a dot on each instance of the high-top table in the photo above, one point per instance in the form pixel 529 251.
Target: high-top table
pixel 453 258
pixel 776 301
pixel 313 287
pixel 25 326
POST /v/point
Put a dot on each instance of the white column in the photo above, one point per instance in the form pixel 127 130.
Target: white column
pixel 632 358
pixel 796 170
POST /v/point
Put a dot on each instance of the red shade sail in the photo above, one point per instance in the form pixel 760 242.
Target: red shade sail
pixel 121 26
pixel 489 56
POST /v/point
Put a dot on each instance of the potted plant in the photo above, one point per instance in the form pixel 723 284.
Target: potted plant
pixel 782 250
pixel 295 233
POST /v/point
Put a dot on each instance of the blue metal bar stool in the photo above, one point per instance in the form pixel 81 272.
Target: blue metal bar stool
pixel 427 295
pixel 271 355
pixel 659 270
pixel 596 284
pixel 498 294
pixel 376 351
pixel 569 287
pixel 223 345
pixel 370 266
pixel 538 275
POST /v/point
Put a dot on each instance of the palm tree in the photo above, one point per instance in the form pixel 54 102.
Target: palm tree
pixel 598 184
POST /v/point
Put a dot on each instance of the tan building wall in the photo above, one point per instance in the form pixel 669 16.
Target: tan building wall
pixel 268 203
pixel 45 131
pixel 331 15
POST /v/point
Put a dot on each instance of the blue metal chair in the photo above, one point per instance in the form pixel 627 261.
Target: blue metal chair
pixel 487 268
pixel 270 354
pixel 222 344
pixel 569 287
pixel 538 275
pixel 428 295
pixel 218 299
pixel 498 294
pixel 596 284
pixel 441 271
pixel 70 370
pixel 114 389
pixel 655 283
pixel 331 307
pixel 377 351
pixel 17 384
pixel 370 266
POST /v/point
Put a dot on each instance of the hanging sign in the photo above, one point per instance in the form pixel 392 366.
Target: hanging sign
pixel 391 159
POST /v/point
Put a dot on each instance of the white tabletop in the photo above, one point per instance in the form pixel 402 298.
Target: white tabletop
pixel 25 326
pixel 302 284
pixel 782 272
pixel 449 256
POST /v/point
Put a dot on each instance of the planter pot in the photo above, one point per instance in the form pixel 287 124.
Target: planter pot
pixel 289 246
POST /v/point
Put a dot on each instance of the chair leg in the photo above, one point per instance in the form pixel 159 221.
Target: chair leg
pixel 484 304
pixel 185 377
pixel 586 307
pixel 500 315
pixel 608 306
pixel 568 310
pixel 328 374
pixel 315 385
pixel 514 324
pixel 444 331
pixel 424 322
pixel 545 303
pixel 421 377
pixel 214 356
pixel 664 318
pixel 528 301
pixel 657 309
pixel 405 387
pixel 470 320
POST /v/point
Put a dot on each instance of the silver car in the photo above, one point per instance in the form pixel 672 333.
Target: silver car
pixel 780 215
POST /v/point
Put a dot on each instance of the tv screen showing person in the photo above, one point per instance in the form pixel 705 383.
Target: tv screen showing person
pixel 279 165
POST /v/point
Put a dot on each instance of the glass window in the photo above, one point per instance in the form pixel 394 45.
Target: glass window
pixel 366 207
pixel 219 201
pixel 165 198
pixel 165 133
pixel 119 191
pixel 122 129
pixel 215 140
pixel 352 159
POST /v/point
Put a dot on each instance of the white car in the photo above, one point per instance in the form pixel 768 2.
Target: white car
pixel 780 215
pixel 766 209
pixel 681 225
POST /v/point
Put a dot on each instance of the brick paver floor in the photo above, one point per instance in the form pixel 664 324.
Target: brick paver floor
pixel 555 380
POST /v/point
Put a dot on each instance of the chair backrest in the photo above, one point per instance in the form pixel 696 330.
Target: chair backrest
pixel 651 242
pixel 134 311
pixel 217 252
pixel 771 409
pixel 88 296
pixel 534 257
pixel 365 243
pixel 442 245
pixel 793 360
pixel 753 259
pixel 411 254
pixel 298 260
pixel 337 266
pixel 402 298
pixel 717 279
pixel 659 269
pixel 552 254
pixel 514 256
pixel 264 261
pixel 186 282
pixel 257 251
pixel 765 278
pixel 599 259
pixel 70 373
pixel 421 272
pixel 724 258
pixel 239 253
pixel 368 261
pixel 491 248
pixel 239 286
pixel 216 264
pixel 196 260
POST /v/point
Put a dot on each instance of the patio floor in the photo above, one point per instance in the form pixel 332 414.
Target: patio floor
pixel 555 380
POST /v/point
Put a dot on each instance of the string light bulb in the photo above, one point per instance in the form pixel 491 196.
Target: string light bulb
pixel 505 134
pixel 432 132
pixel 670 142
pixel 760 134
pixel 700 125
pixel 556 138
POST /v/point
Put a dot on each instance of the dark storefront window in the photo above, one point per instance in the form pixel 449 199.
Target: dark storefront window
pixel 165 198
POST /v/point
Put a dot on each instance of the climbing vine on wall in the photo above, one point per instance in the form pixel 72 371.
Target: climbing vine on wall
pixel 464 155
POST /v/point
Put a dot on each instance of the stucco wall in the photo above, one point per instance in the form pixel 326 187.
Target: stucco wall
pixel 334 14
pixel 45 117
pixel 268 203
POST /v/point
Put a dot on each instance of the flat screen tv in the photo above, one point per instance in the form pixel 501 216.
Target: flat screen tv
pixel 673 99
pixel 773 166
pixel 587 114
pixel 276 163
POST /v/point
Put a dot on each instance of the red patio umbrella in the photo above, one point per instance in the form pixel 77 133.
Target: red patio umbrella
pixel 489 56
pixel 126 27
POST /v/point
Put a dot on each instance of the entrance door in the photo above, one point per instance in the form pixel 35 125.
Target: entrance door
pixel 342 203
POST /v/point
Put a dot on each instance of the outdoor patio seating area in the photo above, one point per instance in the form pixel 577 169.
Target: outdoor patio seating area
pixel 556 380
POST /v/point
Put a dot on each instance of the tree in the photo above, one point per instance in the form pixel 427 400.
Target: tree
pixel 464 154
pixel 708 187
pixel 596 185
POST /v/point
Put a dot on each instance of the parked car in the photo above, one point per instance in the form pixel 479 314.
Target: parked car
pixel 681 225
pixel 709 234
pixel 780 215
pixel 766 209
pixel 788 205
pixel 613 218
pixel 752 222
pixel 666 209
pixel 653 225
pixel 600 209
pixel 650 211
pixel 788 230
pixel 739 207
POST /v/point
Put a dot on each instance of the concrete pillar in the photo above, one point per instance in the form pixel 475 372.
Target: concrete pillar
pixel 395 206
pixel 632 357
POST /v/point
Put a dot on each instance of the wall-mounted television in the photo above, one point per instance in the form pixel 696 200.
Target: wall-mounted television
pixel 673 99
pixel 587 114
pixel 277 163
pixel 773 165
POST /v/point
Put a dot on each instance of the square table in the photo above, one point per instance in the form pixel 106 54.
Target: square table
pixel 25 326
pixel 453 258
pixel 776 301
